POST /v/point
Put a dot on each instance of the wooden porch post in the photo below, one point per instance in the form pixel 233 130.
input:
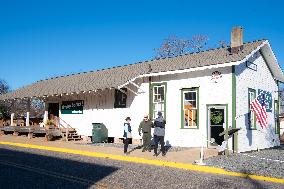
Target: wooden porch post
pixel 12 119
pixel 28 119
pixel 12 113
pixel 45 116
pixel 28 112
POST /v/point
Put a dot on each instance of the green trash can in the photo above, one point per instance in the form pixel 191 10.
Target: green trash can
pixel 99 133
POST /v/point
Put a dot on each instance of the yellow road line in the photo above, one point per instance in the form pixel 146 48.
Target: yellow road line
pixel 204 169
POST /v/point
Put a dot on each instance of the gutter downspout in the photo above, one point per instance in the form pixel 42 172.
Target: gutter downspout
pixel 234 125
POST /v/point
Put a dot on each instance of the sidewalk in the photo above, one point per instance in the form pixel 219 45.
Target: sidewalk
pixel 180 159
pixel 182 156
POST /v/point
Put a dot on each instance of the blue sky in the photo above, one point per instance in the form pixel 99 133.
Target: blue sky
pixel 41 39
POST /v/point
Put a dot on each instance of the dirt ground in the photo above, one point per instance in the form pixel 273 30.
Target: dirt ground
pixel 184 156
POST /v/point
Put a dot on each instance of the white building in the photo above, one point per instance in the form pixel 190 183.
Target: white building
pixel 200 95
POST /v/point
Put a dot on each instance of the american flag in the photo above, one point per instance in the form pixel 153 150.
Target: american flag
pixel 259 107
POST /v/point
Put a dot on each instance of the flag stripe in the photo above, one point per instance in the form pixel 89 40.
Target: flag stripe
pixel 260 111
pixel 255 108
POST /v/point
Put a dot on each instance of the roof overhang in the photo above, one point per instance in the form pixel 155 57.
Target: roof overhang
pixel 272 62
pixel 265 48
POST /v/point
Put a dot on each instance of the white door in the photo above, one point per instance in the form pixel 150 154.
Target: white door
pixel 158 100
pixel 216 124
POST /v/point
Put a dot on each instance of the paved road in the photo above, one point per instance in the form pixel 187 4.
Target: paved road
pixel 29 168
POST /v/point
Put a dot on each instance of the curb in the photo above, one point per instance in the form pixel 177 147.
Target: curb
pixel 191 167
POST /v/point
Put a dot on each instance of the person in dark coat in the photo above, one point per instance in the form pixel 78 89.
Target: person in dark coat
pixel 159 134
pixel 127 134
pixel 145 126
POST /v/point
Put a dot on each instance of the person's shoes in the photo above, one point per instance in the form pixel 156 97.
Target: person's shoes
pixel 163 154
pixel 155 155
pixel 126 153
pixel 143 150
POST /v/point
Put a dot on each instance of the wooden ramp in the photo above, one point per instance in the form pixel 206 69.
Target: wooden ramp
pixel 50 131
pixel 26 130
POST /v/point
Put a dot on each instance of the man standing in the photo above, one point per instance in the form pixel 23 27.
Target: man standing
pixel 146 126
pixel 159 134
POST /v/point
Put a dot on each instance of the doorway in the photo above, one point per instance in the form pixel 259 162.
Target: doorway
pixel 53 110
pixel 158 99
pixel 217 123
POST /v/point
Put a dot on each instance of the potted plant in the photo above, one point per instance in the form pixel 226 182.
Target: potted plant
pixel 49 124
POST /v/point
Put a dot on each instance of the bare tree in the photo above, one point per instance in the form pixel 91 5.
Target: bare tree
pixel 198 42
pixel 223 43
pixel 174 46
pixel 18 106
pixel 4 87
pixel 37 107
pixel 5 109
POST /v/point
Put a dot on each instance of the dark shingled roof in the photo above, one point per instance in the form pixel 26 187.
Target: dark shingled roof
pixel 117 76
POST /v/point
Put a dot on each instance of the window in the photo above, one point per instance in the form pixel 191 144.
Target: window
pixel 120 98
pixel 159 93
pixel 251 114
pixel 276 117
pixel 189 108
pixel 158 99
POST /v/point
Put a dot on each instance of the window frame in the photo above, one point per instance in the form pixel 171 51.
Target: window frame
pixel 183 91
pixel 251 127
pixel 151 105
pixel 276 117
pixel 118 103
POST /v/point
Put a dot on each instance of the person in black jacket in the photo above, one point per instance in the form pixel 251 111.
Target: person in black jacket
pixel 159 134
pixel 127 134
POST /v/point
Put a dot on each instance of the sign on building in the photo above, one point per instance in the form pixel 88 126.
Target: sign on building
pixel 216 76
pixel 72 107
pixel 251 65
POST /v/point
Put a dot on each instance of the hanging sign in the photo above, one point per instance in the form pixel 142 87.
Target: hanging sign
pixel 72 107
pixel 251 65
pixel 216 76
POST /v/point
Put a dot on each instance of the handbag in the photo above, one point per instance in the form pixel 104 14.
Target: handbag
pixel 129 135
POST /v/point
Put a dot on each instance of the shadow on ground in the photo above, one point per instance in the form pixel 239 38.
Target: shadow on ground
pixel 150 149
pixel 27 170
pixel 240 183
pixel 254 183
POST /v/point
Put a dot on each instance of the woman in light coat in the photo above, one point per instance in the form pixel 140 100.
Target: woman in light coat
pixel 127 134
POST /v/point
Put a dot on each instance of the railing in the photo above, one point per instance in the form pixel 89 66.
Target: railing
pixel 66 129
pixel 60 121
